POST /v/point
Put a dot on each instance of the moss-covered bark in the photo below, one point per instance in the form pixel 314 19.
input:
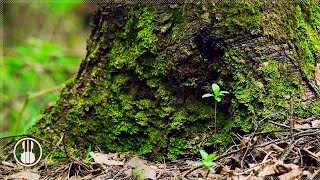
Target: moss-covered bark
pixel 139 88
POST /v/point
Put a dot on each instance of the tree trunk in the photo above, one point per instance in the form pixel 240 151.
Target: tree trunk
pixel 139 87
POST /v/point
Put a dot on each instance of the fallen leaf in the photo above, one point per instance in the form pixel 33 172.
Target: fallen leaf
pixel 144 171
pixel 298 120
pixel 104 159
pixel 317 74
pixel 282 168
pixel 308 174
pixel 267 170
pixel 305 125
pixel 8 164
pixel 26 175
pixel 135 162
pixel 315 123
pixel 294 174
pixel 214 176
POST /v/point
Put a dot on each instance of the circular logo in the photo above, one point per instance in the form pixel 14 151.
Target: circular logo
pixel 27 152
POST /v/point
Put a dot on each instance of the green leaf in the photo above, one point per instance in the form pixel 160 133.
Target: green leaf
pixel 209 164
pixel 218 98
pixel 211 156
pixel 215 88
pixel 88 153
pixel 198 164
pixel 207 95
pixel 224 92
pixel 212 170
pixel 204 154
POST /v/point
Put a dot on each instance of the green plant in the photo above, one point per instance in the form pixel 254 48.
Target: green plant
pixel 207 162
pixel 88 154
pixel 25 69
pixel 217 94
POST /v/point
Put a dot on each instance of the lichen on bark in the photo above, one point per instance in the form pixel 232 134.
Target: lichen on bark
pixel 139 88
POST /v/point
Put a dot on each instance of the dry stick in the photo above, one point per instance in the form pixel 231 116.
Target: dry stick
pixel 301 159
pixel 241 149
pixel 26 100
pixel 269 132
pixel 291 117
pixel 312 155
pixel 253 134
pixel 300 134
pixel 293 143
pixel 285 126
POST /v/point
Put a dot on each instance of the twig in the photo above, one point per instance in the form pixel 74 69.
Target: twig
pixel 297 135
pixel 282 125
pixel 311 154
pixel 21 135
pixel 301 160
pixel 190 170
pixel 269 132
pixel 289 148
pixel 290 117
pixel 26 100
pixel 69 170
pixel 253 134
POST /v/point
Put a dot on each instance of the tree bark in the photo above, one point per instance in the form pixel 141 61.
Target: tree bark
pixel 139 87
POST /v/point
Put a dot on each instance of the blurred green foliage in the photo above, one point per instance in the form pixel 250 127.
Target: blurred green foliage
pixel 33 62
pixel 35 66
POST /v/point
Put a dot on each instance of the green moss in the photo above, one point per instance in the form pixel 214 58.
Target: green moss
pixel 140 97
pixel 240 15
pixel 307 37
pixel 139 38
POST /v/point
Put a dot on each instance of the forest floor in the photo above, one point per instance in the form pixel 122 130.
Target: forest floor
pixel 292 151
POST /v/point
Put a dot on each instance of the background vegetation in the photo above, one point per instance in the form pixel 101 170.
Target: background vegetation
pixel 43 47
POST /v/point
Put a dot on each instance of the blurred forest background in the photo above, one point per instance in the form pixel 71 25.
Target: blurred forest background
pixel 43 46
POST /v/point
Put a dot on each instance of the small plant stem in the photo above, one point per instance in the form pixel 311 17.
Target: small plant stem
pixel 215 116
pixel 206 176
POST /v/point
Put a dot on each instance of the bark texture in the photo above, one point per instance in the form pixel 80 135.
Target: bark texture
pixel 139 87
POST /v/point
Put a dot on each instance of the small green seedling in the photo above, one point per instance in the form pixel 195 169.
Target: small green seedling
pixel 88 154
pixel 217 94
pixel 207 162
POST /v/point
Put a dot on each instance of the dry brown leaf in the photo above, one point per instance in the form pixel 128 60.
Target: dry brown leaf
pixel 8 164
pixel 317 74
pixel 294 174
pixel 282 168
pixel 305 125
pixel 214 176
pixel 247 177
pixel 266 171
pixel 146 171
pixel 26 175
pixel 309 174
pixel 104 159
pixel 315 123
pixel 135 162
pixel 298 120
pixel 226 171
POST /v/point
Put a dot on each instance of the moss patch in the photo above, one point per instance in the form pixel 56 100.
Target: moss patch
pixel 139 88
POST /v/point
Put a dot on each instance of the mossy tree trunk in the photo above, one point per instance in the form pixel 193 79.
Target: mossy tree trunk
pixel 139 88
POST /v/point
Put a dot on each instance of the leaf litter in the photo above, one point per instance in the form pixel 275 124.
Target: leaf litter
pixel 284 153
